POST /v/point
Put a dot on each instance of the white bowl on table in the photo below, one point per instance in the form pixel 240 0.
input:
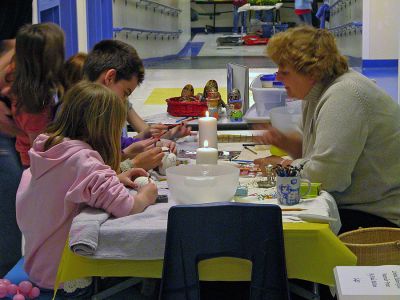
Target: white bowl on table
pixel 192 184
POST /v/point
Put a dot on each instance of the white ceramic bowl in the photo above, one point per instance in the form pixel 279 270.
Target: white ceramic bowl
pixel 190 184
pixel 286 119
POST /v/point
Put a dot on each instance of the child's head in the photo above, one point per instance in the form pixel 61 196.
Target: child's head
pixel 116 65
pixel 94 114
pixel 73 70
pixel 39 59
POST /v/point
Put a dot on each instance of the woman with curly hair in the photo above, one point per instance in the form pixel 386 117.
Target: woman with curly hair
pixel 348 122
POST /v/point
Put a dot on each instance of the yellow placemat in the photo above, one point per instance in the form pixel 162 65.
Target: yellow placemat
pixel 159 95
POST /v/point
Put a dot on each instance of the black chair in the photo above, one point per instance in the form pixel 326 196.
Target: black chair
pixel 248 231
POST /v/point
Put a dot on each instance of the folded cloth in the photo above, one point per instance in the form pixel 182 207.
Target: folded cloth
pixel 85 229
pixel 140 236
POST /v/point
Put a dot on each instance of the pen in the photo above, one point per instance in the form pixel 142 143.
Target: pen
pixel 242 161
pixel 252 151
pixel 181 119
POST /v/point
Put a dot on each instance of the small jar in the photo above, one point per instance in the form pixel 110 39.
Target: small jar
pixel 267 80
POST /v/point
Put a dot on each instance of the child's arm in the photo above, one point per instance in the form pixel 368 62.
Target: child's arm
pixel 98 186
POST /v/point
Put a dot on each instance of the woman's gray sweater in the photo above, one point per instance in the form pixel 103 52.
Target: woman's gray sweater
pixel 351 144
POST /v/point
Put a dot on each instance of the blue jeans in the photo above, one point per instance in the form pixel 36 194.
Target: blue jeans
pixel 243 18
pixel 306 19
pixel 10 176
pixel 265 15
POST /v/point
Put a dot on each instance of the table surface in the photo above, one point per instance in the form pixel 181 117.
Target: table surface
pixel 312 251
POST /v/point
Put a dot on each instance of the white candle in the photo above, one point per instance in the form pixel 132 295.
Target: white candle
pixel 206 155
pixel 208 131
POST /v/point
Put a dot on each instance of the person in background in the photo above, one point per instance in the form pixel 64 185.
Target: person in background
pixel 10 173
pixel 36 88
pixel 303 9
pixel 74 164
pixel 236 16
pixel 13 15
pixel 73 70
pixel 348 123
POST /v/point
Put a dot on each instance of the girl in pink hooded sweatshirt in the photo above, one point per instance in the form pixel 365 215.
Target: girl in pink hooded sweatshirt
pixel 73 165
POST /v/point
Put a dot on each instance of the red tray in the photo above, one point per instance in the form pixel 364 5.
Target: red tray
pixel 186 108
pixel 254 40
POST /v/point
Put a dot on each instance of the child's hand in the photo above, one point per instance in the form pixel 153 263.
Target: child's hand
pixel 178 132
pixel 167 143
pixel 146 196
pixel 138 147
pixel 127 177
pixel 148 159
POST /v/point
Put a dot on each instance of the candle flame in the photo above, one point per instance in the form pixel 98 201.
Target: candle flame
pixel 205 144
pixel 207 114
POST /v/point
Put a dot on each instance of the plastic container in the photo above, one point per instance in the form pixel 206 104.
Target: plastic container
pixel 267 80
pixel 286 120
pixel 278 84
pixel 190 184
pixel 266 98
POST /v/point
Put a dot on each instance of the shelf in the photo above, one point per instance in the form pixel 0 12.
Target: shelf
pixel 346 28
pixel 148 32
pixel 156 6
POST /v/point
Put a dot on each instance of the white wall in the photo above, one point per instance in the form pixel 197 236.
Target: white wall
pixel 81 25
pixel 128 14
pixel 34 12
pixel 381 25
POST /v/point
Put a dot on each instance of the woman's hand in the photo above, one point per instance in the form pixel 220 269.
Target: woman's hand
pixel 271 160
pixel 127 177
pixel 167 143
pixel 148 159
pixel 141 146
pixel 291 143
pixel 146 196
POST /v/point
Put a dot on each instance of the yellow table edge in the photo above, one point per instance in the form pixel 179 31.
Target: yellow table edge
pixel 313 261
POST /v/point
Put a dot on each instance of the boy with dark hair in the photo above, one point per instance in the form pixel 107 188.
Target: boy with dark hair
pixel 118 66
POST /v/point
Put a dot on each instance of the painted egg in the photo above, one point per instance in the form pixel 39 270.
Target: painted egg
pixel 141 181
pixel 187 91
pixel 169 160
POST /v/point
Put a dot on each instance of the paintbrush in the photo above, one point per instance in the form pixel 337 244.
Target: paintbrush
pixel 293 209
pixel 251 150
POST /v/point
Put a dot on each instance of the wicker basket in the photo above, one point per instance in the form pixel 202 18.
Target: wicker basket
pixel 178 108
pixel 374 246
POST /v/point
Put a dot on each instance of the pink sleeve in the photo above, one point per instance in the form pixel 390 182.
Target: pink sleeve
pixel 98 186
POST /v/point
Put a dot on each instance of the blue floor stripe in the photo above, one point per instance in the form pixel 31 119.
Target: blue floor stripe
pixel 386 78
pixel 195 48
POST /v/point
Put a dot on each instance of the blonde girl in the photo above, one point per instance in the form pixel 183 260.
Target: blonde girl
pixel 75 164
